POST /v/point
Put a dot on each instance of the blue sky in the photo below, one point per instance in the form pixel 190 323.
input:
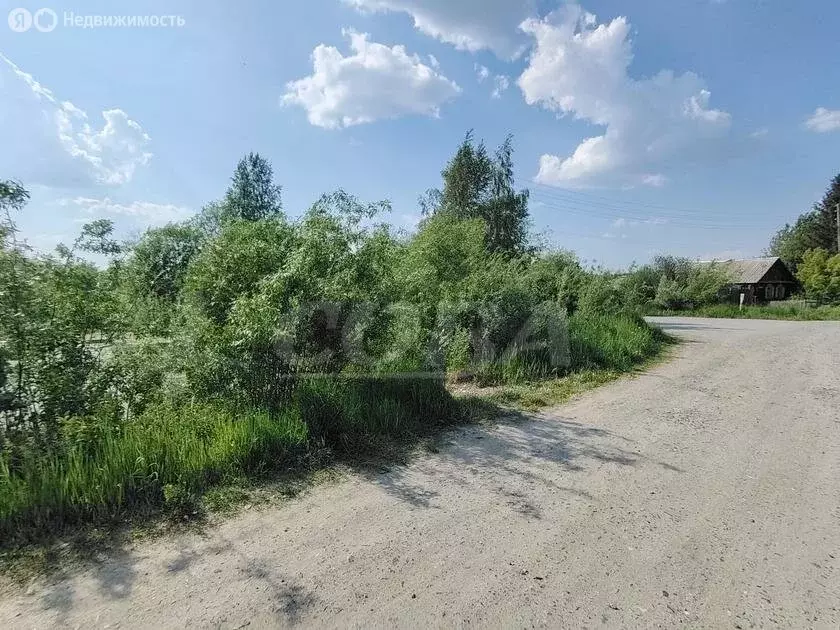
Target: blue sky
pixel 695 127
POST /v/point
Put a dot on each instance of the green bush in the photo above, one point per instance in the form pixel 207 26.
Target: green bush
pixel 602 295
pixel 686 284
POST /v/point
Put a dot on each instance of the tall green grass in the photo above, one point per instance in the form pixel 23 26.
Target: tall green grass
pixel 170 454
pixel 595 342
pixel 612 342
pixel 168 450
pixel 345 414
pixel 731 311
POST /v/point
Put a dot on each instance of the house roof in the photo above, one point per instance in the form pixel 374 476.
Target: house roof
pixel 747 271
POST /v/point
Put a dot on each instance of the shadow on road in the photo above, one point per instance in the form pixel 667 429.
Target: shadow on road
pixel 516 448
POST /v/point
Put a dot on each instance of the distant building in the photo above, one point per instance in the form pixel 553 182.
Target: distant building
pixel 761 280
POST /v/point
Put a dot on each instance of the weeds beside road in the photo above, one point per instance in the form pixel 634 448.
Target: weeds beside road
pixel 793 313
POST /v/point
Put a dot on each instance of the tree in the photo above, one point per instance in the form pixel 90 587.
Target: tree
pixel 15 287
pixel 816 229
pixel 793 241
pixel 819 273
pixel 96 238
pixel 211 219
pixel 57 315
pixel 252 194
pixel 477 186
pixel 827 209
pixel 13 196
pixel 159 261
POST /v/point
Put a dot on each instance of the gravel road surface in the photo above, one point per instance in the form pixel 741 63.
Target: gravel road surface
pixel 704 493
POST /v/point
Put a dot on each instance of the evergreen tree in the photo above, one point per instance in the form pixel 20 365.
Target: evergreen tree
pixel 827 209
pixel 816 229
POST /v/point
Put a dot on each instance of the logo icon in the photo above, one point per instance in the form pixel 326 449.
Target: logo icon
pixel 20 20
pixel 45 20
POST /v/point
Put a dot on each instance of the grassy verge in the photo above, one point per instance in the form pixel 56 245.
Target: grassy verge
pixel 820 313
pixel 179 462
pixel 535 396
pixel 166 459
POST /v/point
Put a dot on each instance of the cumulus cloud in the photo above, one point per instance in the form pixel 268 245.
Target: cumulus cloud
pixel 482 72
pixel 144 212
pixel 56 143
pixel 375 82
pixel 468 24
pixel 579 68
pixel 824 120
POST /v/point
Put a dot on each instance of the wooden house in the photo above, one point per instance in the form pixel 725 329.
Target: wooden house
pixel 761 280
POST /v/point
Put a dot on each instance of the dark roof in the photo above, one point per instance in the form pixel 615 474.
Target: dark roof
pixel 747 271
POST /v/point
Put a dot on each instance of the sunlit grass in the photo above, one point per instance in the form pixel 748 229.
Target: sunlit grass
pixel 729 311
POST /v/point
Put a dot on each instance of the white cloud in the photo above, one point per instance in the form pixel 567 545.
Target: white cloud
pixel 468 24
pixel 622 222
pixel 374 83
pixel 580 68
pixel 657 180
pixel 500 81
pixel 54 143
pixel 824 120
pixel 144 212
pixel 500 84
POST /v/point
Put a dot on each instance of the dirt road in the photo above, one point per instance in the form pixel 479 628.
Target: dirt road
pixel 704 493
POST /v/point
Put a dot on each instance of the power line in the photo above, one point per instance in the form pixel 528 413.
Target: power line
pixel 602 211
pixel 625 208
pixel 587 196
pixel 603 207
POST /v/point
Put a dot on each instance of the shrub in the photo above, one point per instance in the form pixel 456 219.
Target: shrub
pixel 686 284
pixel 56 320
pixel 558 277
pixel 602 295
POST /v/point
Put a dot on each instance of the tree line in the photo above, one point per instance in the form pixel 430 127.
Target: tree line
pixel 810 247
